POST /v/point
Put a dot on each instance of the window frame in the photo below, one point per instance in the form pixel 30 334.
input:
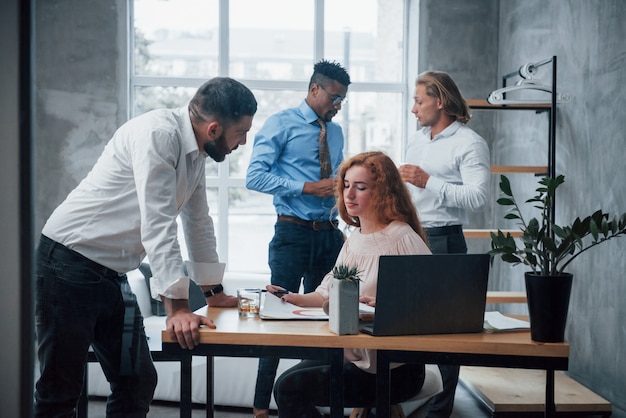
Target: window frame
pixel 223 182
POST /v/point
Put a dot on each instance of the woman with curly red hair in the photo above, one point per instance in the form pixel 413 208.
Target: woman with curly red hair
pixel 374 200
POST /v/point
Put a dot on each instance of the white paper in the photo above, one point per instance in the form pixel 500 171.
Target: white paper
pixel 495 321
pixel 365 308
pixel 272 307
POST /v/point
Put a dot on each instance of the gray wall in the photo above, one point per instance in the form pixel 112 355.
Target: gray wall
pixel 80 101
pixel 80 91
pixel 588 38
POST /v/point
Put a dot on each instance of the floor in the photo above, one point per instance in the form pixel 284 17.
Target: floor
pixel 465 406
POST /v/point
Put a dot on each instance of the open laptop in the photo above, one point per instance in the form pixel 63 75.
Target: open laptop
pixel 430 294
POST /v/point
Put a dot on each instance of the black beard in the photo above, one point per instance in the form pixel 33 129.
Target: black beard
pixel 217 149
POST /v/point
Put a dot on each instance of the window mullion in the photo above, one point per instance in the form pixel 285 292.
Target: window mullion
pixel 223 53
pixel 130 59
pixel 318 31
pixel 409 45
pixel 223 169
pixel 168 81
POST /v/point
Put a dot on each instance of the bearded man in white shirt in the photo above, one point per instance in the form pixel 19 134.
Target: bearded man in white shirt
pixel 447 168
pixel 151 172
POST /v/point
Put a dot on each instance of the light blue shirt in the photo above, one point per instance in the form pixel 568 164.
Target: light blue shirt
pixel 286 155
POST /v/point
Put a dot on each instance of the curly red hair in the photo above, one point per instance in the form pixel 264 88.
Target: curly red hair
pixel 389 192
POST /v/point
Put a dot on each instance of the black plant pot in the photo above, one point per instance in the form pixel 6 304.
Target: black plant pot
pixel 548 303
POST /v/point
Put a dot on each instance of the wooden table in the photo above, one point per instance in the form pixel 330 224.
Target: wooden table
pixel 254 337
pixel 506 297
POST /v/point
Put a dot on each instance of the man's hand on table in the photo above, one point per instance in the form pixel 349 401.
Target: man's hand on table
pixel 182 324
pixel 222 300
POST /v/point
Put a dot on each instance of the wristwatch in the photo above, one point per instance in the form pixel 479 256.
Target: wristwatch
pixel 212 292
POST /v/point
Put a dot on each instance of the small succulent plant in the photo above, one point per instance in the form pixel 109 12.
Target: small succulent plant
pixel 343 272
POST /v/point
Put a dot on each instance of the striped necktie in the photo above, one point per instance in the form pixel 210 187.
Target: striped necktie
pixel 325 166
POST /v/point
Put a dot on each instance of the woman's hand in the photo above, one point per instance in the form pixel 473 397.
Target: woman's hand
pixel 311 299
pixel 272 288
pixel 368 300
pixel 276 290
pixel 283 294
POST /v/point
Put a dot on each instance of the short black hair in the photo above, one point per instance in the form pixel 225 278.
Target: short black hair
pixel 325 71
pixel 224 98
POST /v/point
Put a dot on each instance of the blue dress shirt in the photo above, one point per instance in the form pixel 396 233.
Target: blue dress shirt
pixel 286 155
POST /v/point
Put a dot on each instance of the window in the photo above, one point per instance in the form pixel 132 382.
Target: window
pixel 271 47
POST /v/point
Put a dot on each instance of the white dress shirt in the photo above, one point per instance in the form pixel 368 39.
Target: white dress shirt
pixel 149 173
pixel 457 160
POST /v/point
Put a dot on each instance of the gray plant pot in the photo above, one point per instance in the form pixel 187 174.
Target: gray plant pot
pixel 343 307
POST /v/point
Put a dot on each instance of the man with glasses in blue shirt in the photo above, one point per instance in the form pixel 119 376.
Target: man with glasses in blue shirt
pixel 286 163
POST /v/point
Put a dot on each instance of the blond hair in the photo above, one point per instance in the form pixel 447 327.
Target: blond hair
pixel 441 86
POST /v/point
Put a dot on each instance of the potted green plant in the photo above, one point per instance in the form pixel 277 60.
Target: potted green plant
pixel 343 298
pixel 547 249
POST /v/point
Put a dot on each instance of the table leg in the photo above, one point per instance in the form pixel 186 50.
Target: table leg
pixel 185 386
pixel 383 388
pixel 336 383
pixel 210 401
pixel 550 409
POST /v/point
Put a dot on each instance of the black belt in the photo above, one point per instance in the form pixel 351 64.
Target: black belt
pixel 129 361
pixel 66 255
pixel 314 225
pixel 444 230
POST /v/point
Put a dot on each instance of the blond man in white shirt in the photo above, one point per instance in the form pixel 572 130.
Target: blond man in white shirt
pixel 151 172
pixel 447 168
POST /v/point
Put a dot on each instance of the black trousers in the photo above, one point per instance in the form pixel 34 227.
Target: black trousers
pixel 445 240
pixel 307 385
pixel 80 304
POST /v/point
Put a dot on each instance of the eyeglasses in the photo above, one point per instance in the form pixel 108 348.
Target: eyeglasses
pixel 335 99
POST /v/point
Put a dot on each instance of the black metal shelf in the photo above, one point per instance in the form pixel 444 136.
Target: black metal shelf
pixel 482 104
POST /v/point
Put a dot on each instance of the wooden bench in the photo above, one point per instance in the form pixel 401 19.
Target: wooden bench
pixel 521 393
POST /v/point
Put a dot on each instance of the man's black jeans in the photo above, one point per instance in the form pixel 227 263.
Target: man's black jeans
pixel 80 304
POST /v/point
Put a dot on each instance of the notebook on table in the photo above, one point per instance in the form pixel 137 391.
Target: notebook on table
pixel 430 294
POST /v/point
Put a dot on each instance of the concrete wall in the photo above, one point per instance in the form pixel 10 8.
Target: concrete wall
pixel 80 91
pixel 80 101
pixel 588 39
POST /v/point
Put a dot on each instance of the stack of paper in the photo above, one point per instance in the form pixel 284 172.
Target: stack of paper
pixel 496 322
